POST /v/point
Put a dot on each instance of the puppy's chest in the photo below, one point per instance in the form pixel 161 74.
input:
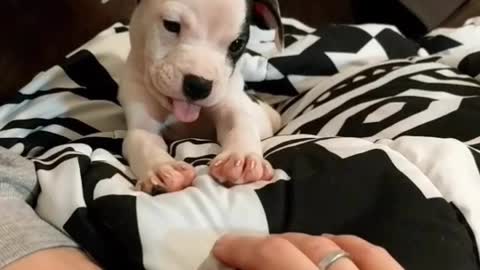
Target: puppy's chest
pixel 202 128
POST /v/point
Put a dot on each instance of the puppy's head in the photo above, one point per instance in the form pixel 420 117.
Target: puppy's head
pixel 189 48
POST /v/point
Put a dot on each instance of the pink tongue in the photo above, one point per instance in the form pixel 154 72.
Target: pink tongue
pixel 184 111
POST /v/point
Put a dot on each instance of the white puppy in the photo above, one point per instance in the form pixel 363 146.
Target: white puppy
pixel 180 81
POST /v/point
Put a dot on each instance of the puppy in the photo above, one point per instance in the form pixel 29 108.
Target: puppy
pixel 181 81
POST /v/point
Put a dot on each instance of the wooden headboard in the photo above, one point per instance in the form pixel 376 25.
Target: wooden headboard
pixel 38 34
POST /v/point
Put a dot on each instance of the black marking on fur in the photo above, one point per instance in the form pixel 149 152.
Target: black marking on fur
pixel 251 19
pixel 244 35
pixel 121 29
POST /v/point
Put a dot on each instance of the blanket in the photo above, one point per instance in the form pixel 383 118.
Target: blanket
pixel 380 139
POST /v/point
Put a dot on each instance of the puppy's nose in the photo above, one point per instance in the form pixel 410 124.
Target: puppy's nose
pixel 196 88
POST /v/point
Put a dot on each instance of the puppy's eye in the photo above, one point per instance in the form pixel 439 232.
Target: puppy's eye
pixel 237 46
pixel 172 26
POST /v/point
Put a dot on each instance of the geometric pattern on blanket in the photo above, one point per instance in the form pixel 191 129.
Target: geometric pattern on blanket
pixel 313 54
pixel 389 151
pixel 457 47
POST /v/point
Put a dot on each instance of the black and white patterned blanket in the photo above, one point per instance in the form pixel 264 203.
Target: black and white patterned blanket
pixel 381 139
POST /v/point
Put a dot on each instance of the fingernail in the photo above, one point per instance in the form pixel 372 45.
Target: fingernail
pixel 218 163
pixel 253 164
pixel 328 235
pixel 238 163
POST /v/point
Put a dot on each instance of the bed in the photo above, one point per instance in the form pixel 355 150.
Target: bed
pixel 380 139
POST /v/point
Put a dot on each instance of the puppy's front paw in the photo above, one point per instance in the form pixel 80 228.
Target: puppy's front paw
pixel 167 177
pixel 236 168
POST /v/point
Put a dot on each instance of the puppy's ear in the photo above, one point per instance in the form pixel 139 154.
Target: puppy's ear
pixel 266 14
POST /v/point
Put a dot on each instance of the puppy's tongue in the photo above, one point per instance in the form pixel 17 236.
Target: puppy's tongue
pixel 184 111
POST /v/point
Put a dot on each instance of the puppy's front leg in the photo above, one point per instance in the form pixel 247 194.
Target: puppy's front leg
pixel 155 169
pixel 144 147
pixel 239 131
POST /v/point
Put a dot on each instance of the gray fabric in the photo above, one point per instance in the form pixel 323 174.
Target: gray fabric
pixel 17 176
pixel 22 232
pixel 433 12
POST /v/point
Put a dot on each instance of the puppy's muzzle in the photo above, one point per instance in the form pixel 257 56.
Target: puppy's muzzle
pixel 196 88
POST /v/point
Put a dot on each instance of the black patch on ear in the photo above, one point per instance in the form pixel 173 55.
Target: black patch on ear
pixel 256 20
pixel 266 15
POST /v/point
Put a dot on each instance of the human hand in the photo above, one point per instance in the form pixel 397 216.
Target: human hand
pixel 295 251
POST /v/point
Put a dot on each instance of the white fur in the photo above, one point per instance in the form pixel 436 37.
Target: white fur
pixel 154 75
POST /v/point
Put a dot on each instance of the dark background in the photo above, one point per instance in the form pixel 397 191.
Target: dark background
pixel 38 34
